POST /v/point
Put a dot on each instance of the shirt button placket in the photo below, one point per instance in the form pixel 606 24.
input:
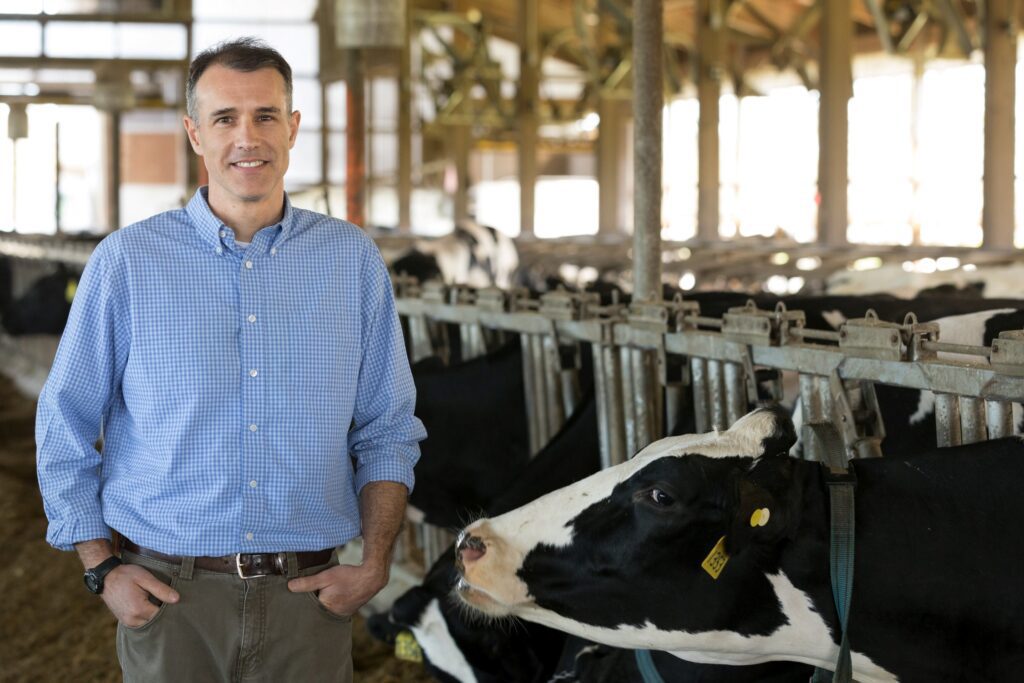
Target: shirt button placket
pixel 249 354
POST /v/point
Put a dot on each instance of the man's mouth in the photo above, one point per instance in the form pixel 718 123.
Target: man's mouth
pixel 249 164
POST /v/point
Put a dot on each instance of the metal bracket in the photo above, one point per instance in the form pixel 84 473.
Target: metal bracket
pixel 914 336
pixel 492 299
pixel 869 337
pixel 1008 352
pixel 434 292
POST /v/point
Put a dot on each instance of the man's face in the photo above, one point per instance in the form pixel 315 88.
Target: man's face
pixel 243 132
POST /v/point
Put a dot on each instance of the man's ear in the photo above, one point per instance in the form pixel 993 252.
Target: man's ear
pixel 768 504
pixel 192 130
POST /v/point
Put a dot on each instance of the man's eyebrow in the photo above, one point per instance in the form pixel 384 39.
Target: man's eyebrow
pixel 221 112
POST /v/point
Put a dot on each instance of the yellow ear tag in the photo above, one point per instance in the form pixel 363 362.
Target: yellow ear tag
pixel 760 517
pixel 407 648
pixel 716 559
pixel 70 290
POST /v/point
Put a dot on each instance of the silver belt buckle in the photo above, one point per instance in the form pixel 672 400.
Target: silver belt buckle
pixel 238 566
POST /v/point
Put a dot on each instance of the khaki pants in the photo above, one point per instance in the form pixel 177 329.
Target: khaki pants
pixel 228 629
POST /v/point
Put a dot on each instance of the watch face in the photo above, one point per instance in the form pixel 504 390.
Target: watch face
pixel 92 583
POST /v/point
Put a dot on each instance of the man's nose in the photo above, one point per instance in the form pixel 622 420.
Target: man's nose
pixel 246 136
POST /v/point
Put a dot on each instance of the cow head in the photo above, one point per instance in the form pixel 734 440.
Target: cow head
pixel 620 557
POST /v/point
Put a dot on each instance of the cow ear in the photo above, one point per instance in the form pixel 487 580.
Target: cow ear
pixel 767 505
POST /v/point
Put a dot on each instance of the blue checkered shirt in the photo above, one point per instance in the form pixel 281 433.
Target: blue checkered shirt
pixel 246 394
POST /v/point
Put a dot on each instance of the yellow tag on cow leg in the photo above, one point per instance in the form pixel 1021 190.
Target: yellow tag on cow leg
pixel 716 559
pixel 407 648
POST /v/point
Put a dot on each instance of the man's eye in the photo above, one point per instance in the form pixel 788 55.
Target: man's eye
pixel 661 498
pixel 223 119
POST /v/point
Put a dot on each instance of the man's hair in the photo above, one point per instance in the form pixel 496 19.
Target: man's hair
pixel 241 54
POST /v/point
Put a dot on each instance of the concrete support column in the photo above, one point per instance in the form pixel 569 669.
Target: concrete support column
pixel 355 139
pixel 609 166
pixel 112 133
pixel 1000 63
pixel 711 17
pixel 836 87
pixel 648 101
pixel 405 125
pixel 529 119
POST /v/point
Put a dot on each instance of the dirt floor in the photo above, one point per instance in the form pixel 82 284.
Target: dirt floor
pixel 51 628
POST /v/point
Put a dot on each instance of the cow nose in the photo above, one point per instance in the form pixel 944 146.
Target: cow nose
pixel 470 548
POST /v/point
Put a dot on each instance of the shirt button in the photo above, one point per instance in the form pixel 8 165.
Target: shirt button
pixel 252 428
pixel 248 536
pixel 222 233
pixel 248 264
pixel 251 318
pixel 253 373
pixel 219 250
pixel 273 251
pixel 252 484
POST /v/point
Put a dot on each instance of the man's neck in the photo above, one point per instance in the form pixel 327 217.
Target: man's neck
pixel 246 218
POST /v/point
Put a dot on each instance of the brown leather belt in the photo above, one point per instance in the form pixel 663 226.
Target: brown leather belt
pixel 246 565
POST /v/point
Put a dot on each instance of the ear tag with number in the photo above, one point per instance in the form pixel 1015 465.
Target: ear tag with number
pixel 407 648
pixel 716 559
pixel 760 517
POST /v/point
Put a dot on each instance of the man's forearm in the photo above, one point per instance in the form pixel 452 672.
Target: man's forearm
pixel 91 553
pixel 382 508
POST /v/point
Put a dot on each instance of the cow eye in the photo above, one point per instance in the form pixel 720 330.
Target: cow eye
pixel 661 498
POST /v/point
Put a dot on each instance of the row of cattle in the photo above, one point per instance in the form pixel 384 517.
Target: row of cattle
pixel 476 465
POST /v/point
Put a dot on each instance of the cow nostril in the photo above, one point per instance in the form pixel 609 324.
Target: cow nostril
pixel 471 548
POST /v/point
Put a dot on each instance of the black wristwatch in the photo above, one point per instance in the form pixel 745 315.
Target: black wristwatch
pixel 94 577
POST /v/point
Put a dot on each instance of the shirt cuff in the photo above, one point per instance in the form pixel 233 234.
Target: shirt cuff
pixel 393 463
pixel 64 535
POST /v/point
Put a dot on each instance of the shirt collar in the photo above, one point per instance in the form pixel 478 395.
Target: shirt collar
pixel 209 226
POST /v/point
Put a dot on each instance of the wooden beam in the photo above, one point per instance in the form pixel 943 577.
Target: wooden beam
pixel 710 70
pixel 355 140
pixel 405 138
pixel 1000 91
pixel 528 104
pixel 833 123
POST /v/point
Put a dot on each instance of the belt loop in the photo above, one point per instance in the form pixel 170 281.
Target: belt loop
pixel 187 567
pixel 293 565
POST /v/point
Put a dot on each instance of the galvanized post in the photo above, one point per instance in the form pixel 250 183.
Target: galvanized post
pixel 947 420
pixel 811 412
pixel 530 393
pixel 628 389
pixel 716 395
pixel 614 411
pixel 540 389
pixel 972 419
pixel 701 400
pixel 553 386
pixel 735 393
pixel 648 100
pixel 998 419
pixel 601 396
pixel 643 398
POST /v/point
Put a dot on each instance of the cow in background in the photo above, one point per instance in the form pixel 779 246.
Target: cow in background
pixel 43 308
pixel 472 254
pixel 715 548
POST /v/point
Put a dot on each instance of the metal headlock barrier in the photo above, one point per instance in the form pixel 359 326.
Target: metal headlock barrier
pixel 653 360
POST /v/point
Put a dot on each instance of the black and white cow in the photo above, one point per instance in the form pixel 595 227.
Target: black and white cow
pixel 618 557
pixel 460 647
pixel 472 254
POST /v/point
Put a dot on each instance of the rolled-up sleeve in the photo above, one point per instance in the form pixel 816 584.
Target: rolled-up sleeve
pixel 385 432
pixel 83 380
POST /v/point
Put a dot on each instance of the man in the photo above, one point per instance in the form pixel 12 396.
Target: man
pixel 245 360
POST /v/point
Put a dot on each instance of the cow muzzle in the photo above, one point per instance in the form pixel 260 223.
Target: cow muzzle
pixel 487 568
